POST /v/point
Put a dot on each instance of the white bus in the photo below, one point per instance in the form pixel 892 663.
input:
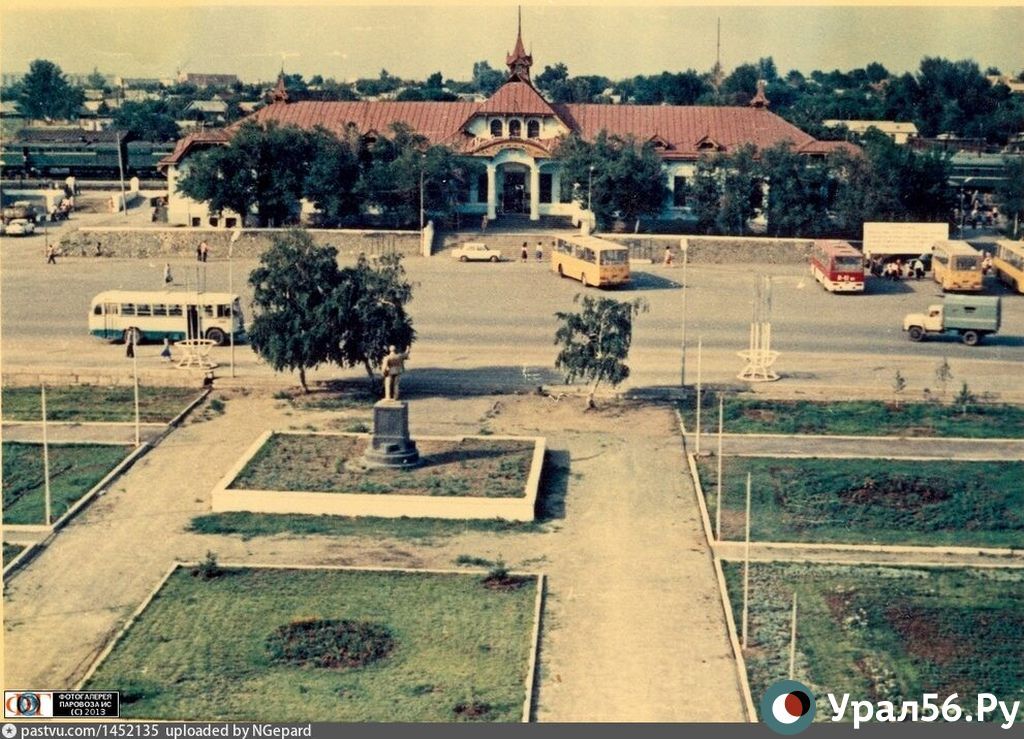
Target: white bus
pixel 154 315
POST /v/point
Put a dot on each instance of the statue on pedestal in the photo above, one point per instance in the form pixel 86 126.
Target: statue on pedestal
pixel 392 368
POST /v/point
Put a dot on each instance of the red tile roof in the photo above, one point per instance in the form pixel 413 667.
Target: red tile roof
pixel 208 137
pixel 516 97
pixel 684 127
pixel 678 130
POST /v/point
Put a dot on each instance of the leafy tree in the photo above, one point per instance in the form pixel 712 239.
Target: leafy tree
pixel 149 120
pixel 594 343
pixel 369 311
pixel 485 79
pixel 551 79
pixel 742 192
pixel 1010 194
pixel 899 384
pixel 332 181
pixel 294 292
pixel 943 374
pixel 740 86
pixel 46 93
pixel 705 193
pixel 797 193
pixel 624 178
pixel 262 169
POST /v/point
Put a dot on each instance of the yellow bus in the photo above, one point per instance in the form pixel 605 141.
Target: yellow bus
pixel 956 266
pixel 154 315
pixel 591 260
pixel 1008 264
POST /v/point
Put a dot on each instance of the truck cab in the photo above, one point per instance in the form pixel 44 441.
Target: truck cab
pixel 970 317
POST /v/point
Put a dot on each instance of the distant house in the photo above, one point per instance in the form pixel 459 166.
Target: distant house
pixel 514 134
pixel 208 80
pixel 899 131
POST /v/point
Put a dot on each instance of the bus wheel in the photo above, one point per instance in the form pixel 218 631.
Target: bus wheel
pixel 132 335
pixel 916 333
pixel 216 336
pixel 971 338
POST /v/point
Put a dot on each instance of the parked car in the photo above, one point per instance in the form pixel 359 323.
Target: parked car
pixel 475 251
pixel 20 227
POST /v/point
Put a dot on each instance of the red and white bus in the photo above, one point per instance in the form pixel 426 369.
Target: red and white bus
pixel 838 266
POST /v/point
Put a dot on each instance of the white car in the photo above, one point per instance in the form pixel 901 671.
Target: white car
pixel 20 227
pixel 475 251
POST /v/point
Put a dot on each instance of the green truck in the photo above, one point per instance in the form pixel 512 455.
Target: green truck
pixel 969 316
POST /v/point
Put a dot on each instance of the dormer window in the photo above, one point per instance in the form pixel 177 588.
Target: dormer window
pixel 515 128
pixel 496 128
pixel 533 129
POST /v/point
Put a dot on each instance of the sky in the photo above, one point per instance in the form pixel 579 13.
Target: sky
pixel 149 38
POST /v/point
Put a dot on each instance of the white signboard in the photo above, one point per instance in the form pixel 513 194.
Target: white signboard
pixel 911 239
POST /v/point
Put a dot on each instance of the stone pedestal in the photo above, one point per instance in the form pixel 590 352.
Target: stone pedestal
pixel 390 445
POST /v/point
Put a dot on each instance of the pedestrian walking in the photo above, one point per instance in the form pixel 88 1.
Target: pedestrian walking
pixel 51 255
pixel 483 224
pixel 199 251
pixel 668 256
pixel 918 266
pixel 129 345
pixel 168 278
pixel 540 252
pixel 524 254
pixel 165 353
pixel 204 251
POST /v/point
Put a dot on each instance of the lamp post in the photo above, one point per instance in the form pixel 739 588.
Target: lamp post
pixel 590 188
pixel 684 247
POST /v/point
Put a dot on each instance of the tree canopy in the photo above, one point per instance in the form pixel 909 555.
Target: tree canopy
pixel 149 120
pixel 309 312
pixel 46 93
pixel 594 343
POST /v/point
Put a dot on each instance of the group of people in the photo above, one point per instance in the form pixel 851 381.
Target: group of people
pixel 129 349
pixel 896 270
pixel 538 251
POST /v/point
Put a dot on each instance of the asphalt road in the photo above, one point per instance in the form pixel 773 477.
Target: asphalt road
pixel 481 325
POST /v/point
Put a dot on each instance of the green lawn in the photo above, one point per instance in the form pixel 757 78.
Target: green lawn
pixel 74 469
pixel 248 525
pixel 200 649
pixel 864 501
pixel 472 467
pixel 744 415
pixel 885 633
pixel 11 551
pixel 95 403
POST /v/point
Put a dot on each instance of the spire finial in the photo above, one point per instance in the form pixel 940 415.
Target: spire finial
pixel 519 61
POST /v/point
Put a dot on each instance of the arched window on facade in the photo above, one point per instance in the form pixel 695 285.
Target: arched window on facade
pixel 496 128
pixel 533 129
pixel 515 128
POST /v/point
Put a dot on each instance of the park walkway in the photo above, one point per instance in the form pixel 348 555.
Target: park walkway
pixel 633 625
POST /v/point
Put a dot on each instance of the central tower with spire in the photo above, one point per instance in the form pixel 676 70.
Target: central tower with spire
pixel 519 62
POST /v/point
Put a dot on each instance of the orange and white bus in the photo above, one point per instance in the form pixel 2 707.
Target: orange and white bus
pixel 591 260
pixel 1008 264
pixel 956 266
pixel 838 266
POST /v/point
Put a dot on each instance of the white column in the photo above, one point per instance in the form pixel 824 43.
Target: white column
pixel 535 192
pixel 492 192
pixel 556 187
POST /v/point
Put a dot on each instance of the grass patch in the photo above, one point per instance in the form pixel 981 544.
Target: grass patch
pixel 11 551
pixel 74 469
pixel 490 469
pixel 885 633
pixel 874 501
pixel 249 525
pixel 96 403
pixel 201 648
pixel 858 418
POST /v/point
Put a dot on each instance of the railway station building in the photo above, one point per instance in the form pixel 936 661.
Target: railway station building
pixel 515 133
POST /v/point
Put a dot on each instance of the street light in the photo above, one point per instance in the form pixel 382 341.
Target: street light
pixel 684 247
pixel 590 188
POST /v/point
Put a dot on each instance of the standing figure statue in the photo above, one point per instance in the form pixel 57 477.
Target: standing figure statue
pixel 392 368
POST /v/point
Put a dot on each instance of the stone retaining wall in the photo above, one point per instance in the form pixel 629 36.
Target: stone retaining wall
pixel 718 249
pixel 120 241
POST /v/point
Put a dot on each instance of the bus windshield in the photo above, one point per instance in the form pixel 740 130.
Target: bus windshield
pixel 966 263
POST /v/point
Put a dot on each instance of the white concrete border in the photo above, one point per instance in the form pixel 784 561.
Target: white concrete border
pixel 534 639
pixel 521 508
